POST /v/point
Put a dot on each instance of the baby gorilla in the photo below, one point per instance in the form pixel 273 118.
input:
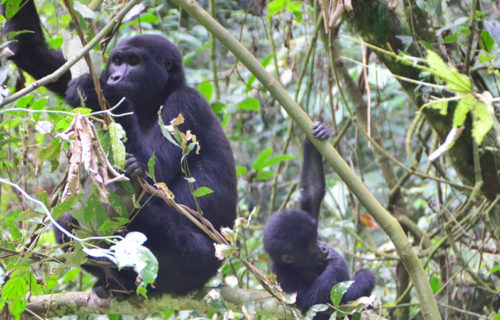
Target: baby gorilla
pixel 301 262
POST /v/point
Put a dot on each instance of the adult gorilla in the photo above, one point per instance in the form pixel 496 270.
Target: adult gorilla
pixel 147 70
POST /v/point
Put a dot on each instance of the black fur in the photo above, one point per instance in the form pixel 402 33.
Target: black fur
pixel 301 262
pixel 147 70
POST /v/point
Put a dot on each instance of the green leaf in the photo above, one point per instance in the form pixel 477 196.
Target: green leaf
pixel 14 291
pixel 151 166
pixel 263 175
pixel 216 300
pixel 313 310
pixel 454 80
pixel 94 213
pixel 11 8
pixel 165 131
pixel 218 107
pixel 63 207
pixel 109 226
pixel 277 159
pixel 14 231
pixel 241 170
pixel 495 268
pixel 206 89
pixel 487 42
pixel 117 204
pixel 129 252
pixel 435 284
pixel 261 159
pixel 441 105
pixel 338 291
pixel 23 102
pixel 117 134
pixel 250 104
pixel 483 122
pixel 202 191
pixel 464 106
pixel 275 6
pixel 251 79
pixel 34 287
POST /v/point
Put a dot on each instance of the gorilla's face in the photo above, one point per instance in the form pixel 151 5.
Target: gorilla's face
pixel 144 69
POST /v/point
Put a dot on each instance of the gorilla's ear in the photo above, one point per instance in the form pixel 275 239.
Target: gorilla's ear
pixel 168 64
pixel 287 258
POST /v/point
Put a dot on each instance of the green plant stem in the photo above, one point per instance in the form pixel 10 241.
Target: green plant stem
pixel 470 36
pixel 213 55
pixel 388 223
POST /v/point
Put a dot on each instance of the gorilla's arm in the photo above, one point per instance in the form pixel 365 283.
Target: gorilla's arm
pixel 30 50
pixel 319 291
pixel 200 120
pixel 364 281
pixel 312 178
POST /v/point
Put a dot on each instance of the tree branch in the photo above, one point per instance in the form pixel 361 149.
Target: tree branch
pixel 84 303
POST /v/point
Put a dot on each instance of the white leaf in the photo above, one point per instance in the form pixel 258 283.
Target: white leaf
pixel 85 11
pixel 134 12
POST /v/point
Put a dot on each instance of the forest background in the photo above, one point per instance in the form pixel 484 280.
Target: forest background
pixel 409 88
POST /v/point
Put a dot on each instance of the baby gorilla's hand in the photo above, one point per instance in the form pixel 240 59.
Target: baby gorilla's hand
pixel 320 131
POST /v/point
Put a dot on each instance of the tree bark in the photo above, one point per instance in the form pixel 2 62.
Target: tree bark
pixel 85 303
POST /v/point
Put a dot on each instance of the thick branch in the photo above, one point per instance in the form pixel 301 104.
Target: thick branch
pixel 85 303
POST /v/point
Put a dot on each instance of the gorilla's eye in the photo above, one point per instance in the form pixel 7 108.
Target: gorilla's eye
pixel 133 59
pixel 117 60
pixel 168 64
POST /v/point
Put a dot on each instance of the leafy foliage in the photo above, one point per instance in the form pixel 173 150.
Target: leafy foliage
pixel 453 221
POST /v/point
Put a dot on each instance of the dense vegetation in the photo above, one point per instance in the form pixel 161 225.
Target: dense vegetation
pixel 410 89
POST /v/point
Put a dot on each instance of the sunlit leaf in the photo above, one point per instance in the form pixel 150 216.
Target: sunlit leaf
pixel 151 166
pixel 117 134
pixel 249 104
pixel 263 175
pixel 464 106
pixel 338 291
pixel 202 191
pixel 206 89
pixel 441 105
pixel 261 159
pixel 14 291
pixel 483 122
pixel 276 6
pixel 487 42
pixel 454 80
pixel 435 283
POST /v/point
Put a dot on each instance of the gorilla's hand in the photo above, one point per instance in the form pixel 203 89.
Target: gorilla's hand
pixel 133 168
